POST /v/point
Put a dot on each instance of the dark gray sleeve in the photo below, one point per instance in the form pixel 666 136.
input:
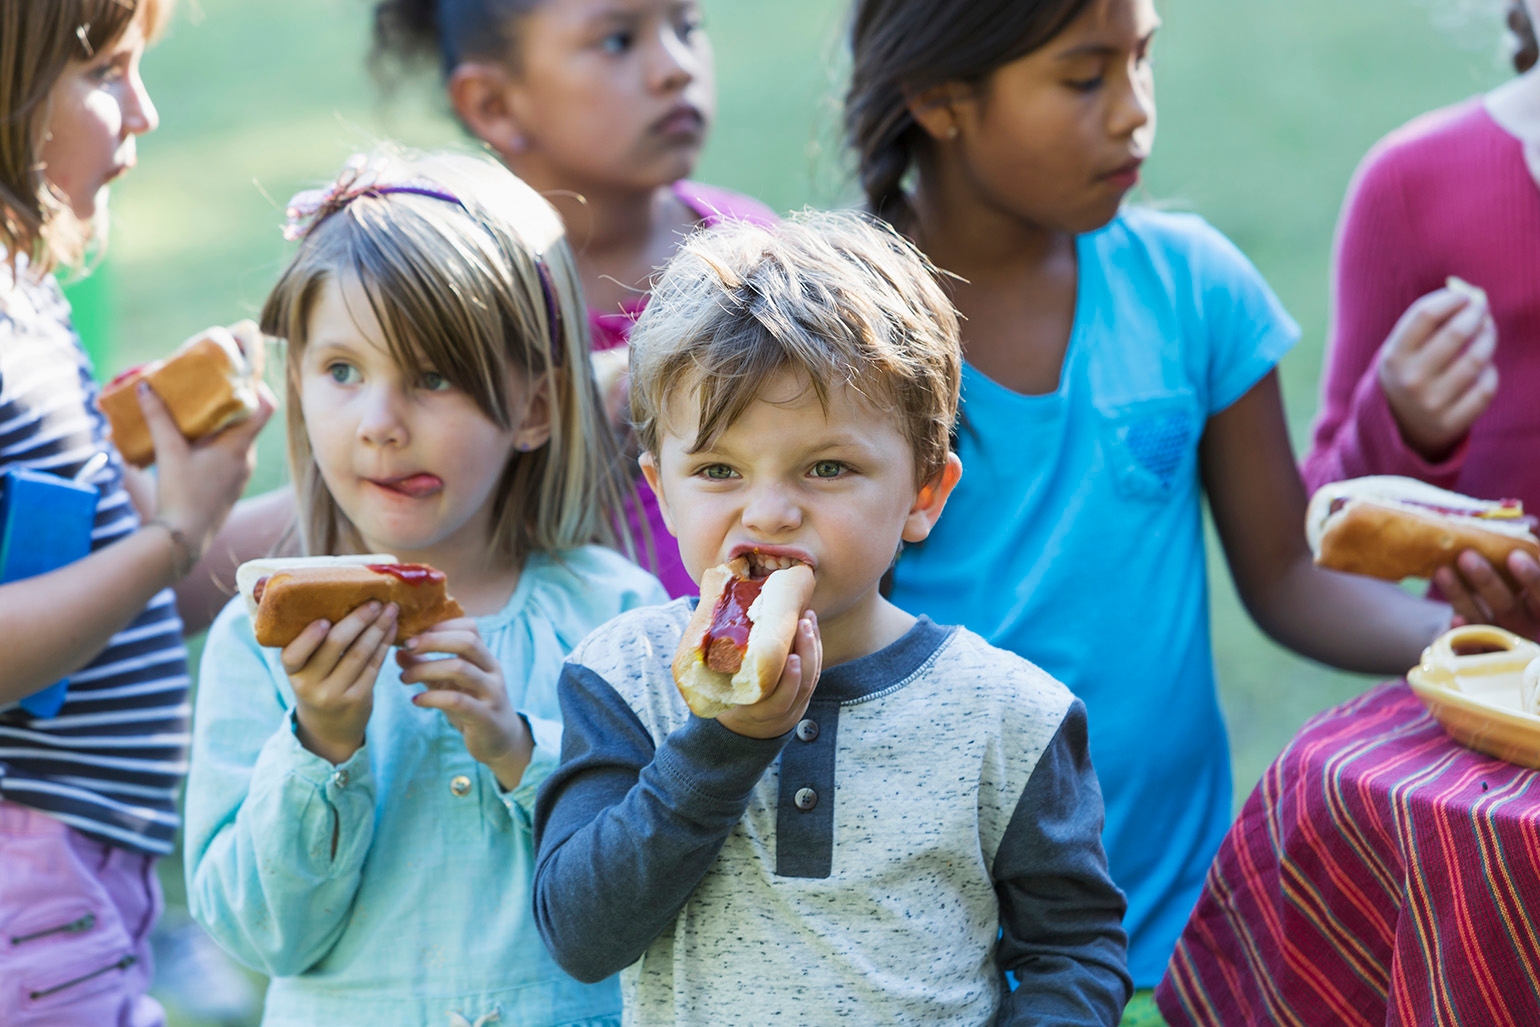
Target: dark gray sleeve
pixel 1060 914
pixel 624 831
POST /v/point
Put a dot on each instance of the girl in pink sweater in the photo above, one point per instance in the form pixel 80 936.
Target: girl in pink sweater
pixel 1411 385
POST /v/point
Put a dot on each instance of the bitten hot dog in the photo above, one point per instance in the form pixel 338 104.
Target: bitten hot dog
pixel 207 384
pixel 736 643
pixel 285 596
pixel 1393 528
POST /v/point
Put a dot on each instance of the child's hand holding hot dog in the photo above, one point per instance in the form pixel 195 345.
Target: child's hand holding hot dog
pixel 1480 595
pixel 468 687
pixel 332 670
pixel 779 712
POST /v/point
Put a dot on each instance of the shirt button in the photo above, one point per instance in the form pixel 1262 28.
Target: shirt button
pixel 807 730
pixel 340 779
pixel 460 785
pixel 805 799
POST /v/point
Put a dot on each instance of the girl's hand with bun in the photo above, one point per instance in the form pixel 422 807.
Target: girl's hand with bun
pixel 1479 595
pixel 197 483
pixel 1436 369
pixel 332 669
pixel 467 686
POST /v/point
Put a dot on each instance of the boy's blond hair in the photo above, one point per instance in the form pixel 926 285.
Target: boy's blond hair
pixel 38 40
pixel 835 297
pixel 474 280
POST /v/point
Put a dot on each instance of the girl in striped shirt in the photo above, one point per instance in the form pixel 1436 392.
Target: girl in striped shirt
pixel 87 797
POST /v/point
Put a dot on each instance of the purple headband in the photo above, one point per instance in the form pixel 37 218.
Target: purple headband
pixel 312 206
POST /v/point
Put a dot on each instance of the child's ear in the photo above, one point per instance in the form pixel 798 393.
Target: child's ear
pixel 534 428
pixel 935 109
pixel 649 465
pixel 931 500
pixel 479 93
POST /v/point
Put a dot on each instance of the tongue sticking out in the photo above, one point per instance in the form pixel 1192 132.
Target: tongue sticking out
pixel 416 486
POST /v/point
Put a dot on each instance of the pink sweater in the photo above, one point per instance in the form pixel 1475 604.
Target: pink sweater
pixel 1447 194
pixel 612 328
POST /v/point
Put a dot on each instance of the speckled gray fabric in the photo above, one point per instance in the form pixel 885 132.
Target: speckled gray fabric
pixel 658 837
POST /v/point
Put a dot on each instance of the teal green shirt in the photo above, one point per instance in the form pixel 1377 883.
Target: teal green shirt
pixel 422 914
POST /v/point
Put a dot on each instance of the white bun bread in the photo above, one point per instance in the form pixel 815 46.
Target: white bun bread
pixel 1380 530
pixel 252 571
pixel 208 384
pixel 773 617
pixel 299 592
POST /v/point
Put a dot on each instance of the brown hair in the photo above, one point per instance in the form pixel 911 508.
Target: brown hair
pixel 838 297
pixel 38 40
pixel 462 286
pixel 901 48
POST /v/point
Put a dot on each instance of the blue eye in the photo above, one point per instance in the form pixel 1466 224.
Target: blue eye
pixel 343 374
pixel 828 469
pixel 434 382
pixel 617 43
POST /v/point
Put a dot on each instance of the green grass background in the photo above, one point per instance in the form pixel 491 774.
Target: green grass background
pixel 1265 109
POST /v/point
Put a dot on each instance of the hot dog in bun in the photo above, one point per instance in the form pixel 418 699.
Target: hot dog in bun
pixel 736 644
pixel 285 596
pixel 208 384
pixel 1393 528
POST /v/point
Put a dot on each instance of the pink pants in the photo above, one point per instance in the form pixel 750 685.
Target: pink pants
pixel 75 919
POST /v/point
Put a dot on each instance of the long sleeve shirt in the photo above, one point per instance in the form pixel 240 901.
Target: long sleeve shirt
pixel 931 823
pixel 392 888
pixel 1448 194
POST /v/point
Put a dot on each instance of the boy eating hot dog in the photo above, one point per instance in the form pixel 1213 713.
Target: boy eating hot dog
pixel 884 847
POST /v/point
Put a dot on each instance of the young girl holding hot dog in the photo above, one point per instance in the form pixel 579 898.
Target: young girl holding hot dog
pixel 1422 381
pixel 1119 366
pixel 367 844
pixel 603 108
pixel 87 788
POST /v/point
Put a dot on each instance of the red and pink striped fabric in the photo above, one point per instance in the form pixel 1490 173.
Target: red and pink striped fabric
pixel 1380 874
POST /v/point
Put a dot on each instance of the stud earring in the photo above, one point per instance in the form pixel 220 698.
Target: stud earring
pixel 951 132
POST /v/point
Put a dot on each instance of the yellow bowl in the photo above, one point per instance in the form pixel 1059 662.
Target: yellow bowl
pixel 1472 680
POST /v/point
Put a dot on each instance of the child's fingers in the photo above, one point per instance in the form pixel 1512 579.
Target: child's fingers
pixel 165 436
pixel 1462 413
pixel 368 649
pixel 452 673
pixel 1449 340
pixel 467 645
pixel 1457 378
pixel 1423 319
pixel 1526 571
pixel 457 706
pixel 1452 587
pixel 346 633
pixel 1492 591
pixel 298 652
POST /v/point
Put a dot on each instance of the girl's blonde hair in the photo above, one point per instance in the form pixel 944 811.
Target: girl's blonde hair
pixel 467 270
pixel 38 40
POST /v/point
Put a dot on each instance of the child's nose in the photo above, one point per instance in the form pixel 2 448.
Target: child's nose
pixel 674 62
pixel 139 114
pixel 382 421
pixel 1135 107
pixel 771 511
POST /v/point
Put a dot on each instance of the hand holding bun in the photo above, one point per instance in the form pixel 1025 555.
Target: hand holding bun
pixel 286 596
pixel 208 384
pixel 737 641
pixel 1393 528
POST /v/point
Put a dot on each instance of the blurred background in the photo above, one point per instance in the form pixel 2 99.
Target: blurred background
pixel 1265 109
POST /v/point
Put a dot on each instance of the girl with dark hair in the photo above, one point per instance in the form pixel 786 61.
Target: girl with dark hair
pixel 1437 383
pixel 603 109
pixel 1120 364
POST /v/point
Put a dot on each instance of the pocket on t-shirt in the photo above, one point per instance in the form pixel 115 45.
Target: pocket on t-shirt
pixel 1151 444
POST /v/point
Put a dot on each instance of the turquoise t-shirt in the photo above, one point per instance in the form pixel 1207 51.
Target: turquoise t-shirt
pixel 1075 538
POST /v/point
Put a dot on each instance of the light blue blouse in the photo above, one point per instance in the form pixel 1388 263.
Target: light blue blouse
pixel 422 913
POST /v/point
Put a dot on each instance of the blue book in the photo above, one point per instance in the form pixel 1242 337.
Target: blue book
pixel 45 524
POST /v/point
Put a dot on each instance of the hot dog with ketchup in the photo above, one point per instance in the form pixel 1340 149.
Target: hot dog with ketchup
pixel 737 641
pixel 285 596
pixel 1393 528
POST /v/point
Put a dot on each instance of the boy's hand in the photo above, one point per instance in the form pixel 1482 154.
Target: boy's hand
pixel 332 670
pixel 778 712
pixel 468 687
pixel 1436 370
pixel 1479 594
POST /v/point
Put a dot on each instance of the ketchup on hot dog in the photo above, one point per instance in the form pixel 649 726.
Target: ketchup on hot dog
pixel 413 574
pixel 729 635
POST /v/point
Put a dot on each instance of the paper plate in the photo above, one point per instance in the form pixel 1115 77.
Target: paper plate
pixel 1474 682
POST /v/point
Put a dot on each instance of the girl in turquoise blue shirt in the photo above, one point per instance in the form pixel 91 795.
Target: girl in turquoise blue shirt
pixel 365 843
pixel 1120 367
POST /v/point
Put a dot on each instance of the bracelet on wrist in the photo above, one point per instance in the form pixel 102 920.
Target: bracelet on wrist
pixel 183 554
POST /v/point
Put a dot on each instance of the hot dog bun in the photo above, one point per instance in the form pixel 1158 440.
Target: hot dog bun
pixel 207 384
pixel 285 596
pixel 773 616
pixel 1386 527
